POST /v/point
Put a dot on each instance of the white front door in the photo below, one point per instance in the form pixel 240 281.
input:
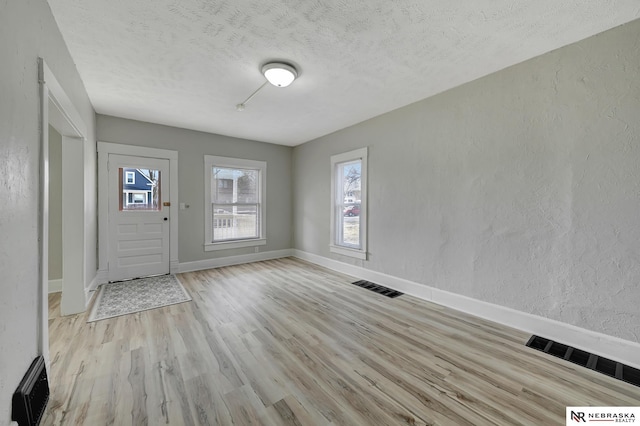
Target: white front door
pixel 138 216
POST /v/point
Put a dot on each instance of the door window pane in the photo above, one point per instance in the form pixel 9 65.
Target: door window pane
pixel 139 189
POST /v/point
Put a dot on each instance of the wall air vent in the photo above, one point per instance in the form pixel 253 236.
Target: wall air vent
pixel 32 395
pixel 385 291
pixel 586 359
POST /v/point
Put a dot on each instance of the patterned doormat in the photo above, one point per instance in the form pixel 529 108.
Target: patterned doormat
pixel 127 297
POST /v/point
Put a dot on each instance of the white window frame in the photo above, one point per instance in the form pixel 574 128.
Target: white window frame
pixel 211 161
pixel 133 193
pixel 126 178
pixel 334 246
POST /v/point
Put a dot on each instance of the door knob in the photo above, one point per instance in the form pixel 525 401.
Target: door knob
pixel 166 218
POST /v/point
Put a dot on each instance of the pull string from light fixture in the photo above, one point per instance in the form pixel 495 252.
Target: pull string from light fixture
pixel 242 105
pixel 278 74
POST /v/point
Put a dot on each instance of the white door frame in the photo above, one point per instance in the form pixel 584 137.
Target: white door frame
pixel 56 109
pixel 106 148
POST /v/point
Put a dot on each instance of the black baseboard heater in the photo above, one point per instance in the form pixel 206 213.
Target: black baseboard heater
pixel 32 395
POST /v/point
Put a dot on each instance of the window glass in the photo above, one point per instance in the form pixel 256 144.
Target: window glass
pixel 139 189
pixel 349 204
pixel 236 201
pixel 130 177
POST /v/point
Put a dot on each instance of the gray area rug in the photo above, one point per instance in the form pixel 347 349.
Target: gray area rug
pixel 127 297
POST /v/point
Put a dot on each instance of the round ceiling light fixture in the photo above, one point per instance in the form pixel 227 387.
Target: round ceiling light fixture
pixel 279 74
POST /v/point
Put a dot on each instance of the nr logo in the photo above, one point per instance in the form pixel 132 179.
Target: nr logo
pixel 577 416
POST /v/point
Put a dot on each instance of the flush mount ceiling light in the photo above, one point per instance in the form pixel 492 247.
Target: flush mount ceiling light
pixel 279 74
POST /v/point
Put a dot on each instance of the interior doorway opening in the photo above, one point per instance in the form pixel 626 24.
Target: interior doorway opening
pixel 60 121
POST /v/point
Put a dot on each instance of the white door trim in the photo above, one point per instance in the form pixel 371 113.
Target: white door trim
pixel 106 148
pixel 57 109
pixel 75 295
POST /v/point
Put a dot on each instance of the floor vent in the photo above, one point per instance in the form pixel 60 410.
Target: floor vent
pixel 385 291
pixel 32 395
pixel 586 359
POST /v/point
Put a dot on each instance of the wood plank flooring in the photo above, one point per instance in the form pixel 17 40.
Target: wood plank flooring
pixel 285 342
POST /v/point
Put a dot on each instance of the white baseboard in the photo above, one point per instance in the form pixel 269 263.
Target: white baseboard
pixel 199 265
pixel 600 344
pixel 174 266
pixel 90 291
pixel 103 276
pixel 55 286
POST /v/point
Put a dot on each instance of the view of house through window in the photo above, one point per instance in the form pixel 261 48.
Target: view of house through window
pixel 235 191
pixel 349 203
pixel 235 203
pixel 139 189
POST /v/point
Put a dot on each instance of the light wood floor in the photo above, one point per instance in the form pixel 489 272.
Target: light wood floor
pixel 285 342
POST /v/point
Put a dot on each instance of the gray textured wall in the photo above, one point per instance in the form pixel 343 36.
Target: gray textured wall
pixel 27 30
pixel 519 189
pixel 191 147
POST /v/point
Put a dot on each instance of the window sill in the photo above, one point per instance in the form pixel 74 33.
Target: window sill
pixel 235 244
pixel 358 254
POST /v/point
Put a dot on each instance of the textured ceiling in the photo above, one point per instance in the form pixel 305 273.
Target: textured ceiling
pixel 187 63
